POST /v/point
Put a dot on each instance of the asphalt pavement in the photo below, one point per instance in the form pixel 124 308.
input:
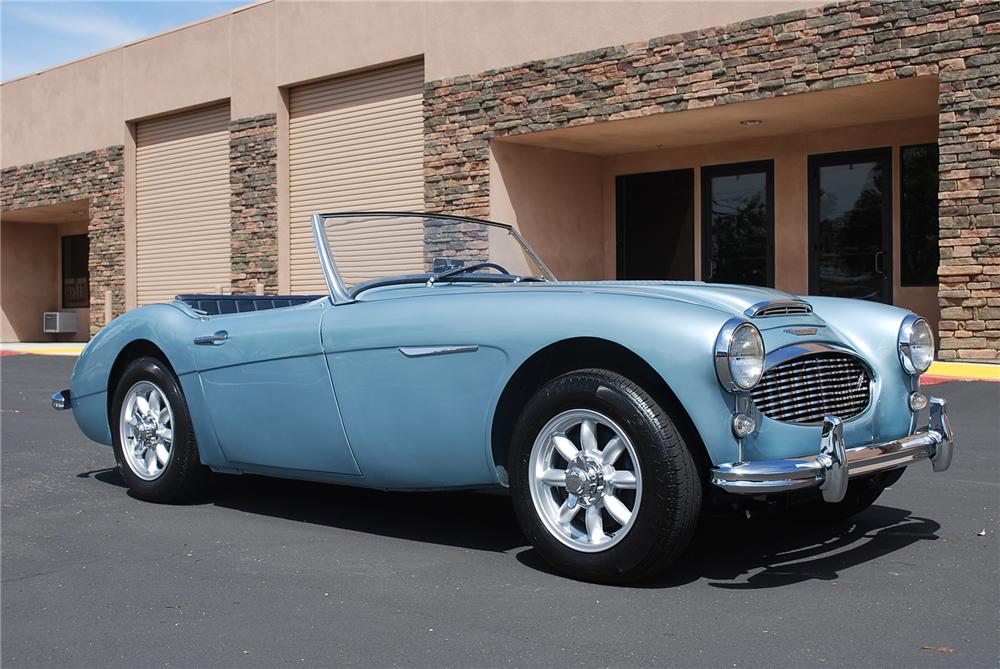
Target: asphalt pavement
pixel 279 573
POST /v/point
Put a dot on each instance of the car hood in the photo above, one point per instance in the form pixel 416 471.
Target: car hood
pixel 729 298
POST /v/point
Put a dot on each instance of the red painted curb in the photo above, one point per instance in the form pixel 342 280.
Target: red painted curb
pixel 932 380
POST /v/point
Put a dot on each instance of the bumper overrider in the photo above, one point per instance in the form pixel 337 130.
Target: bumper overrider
pixel 835 464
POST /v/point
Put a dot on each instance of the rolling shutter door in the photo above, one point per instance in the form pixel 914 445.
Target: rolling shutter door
pixel 182 204
pixel 356 143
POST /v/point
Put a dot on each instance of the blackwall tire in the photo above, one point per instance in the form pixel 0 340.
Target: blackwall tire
pixel 154 443
pixel 630 491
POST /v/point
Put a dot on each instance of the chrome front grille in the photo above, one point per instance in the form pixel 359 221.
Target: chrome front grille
pixel 804 389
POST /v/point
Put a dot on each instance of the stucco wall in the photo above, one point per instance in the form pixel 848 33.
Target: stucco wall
pixel 28 279
pixel 31 280
pixel 555 200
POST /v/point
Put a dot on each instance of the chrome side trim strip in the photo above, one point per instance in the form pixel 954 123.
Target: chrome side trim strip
pixel 422 351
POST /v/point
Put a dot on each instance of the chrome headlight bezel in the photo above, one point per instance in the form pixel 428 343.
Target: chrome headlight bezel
pixel 724 354
pixel 905 344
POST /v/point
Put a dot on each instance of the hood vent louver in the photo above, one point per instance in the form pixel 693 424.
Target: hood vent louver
pixel 778 308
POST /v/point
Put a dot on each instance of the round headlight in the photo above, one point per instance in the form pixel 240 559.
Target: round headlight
pixel 916 345
pixel 739 355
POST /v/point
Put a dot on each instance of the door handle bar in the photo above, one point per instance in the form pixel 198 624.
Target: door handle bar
pixel 216 339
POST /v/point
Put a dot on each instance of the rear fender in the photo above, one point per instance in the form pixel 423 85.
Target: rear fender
pixel 170 330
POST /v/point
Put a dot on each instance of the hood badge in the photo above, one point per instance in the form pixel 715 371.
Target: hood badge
pixel 800 332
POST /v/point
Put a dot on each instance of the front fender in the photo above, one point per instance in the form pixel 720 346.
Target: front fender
pixel 676 339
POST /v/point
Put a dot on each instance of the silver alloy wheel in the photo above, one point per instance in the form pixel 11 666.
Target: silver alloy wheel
pixel 146 426
pixel 583 461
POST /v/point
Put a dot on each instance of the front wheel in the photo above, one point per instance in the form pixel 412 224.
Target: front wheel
pixel 603 483
pixel 154 442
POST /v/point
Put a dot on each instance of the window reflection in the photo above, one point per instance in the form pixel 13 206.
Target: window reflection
pixel 738 232
pixel 919 215
pixel 851 218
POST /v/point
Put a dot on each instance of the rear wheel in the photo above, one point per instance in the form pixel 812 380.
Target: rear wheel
pixel 602 482
pixel 154 442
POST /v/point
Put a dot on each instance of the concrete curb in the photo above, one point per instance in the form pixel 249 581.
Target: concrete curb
pixel 41 349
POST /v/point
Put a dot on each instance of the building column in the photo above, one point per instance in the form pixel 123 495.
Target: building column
pixel 969 209
pixel 253 181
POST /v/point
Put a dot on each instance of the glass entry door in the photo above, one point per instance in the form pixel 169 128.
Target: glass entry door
pixel 850 224
pixel 737 211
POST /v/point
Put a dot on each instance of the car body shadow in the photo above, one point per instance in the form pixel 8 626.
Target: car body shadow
pixel 465 519
pixel 736 553
pixel 728 551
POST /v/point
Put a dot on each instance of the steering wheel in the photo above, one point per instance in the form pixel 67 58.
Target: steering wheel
pixel 468 268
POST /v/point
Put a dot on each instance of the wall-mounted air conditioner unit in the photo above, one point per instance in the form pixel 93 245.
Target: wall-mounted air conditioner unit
pixel 59 322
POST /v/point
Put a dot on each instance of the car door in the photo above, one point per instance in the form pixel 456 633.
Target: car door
pixel 416 384
pixel 269 391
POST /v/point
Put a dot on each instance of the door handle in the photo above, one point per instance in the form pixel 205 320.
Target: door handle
pixel 216 339
pixel 879 269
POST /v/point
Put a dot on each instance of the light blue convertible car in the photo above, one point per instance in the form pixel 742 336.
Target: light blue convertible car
pixel 444 354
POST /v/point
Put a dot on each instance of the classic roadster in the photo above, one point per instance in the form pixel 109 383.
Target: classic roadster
pixel 446 355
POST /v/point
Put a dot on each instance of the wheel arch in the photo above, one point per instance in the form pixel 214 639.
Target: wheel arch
pixel 581 353
pixel 134 350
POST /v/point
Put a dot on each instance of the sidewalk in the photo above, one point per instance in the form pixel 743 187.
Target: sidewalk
pixel 42 348
pixel 960 371
pixel 939 372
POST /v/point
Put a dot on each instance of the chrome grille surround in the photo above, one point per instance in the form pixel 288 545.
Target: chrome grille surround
pixel 813 381
pixel 789 307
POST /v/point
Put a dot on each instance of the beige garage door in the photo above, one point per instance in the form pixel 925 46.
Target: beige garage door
pixel 356 143
pixel 182 204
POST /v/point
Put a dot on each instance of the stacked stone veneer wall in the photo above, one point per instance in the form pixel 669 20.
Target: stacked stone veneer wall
pixel 844 44
pixel 98 177
pixel 253 180
pixel 446 240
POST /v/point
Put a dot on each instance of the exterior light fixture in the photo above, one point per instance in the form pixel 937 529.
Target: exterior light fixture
pixel 743 425
pixel 751 121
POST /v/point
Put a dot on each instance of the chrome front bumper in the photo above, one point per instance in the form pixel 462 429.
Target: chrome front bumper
pixel 831 468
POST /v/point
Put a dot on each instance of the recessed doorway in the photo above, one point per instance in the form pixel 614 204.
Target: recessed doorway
pixel 655 225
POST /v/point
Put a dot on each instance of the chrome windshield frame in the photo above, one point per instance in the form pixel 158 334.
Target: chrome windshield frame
pixel 338 290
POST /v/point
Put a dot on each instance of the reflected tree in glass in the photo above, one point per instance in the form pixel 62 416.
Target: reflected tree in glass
pixel 739 242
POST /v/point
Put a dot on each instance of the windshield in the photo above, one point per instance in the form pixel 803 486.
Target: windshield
pixel 373 248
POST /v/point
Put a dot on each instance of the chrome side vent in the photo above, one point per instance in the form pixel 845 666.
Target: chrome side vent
pixel 778 308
